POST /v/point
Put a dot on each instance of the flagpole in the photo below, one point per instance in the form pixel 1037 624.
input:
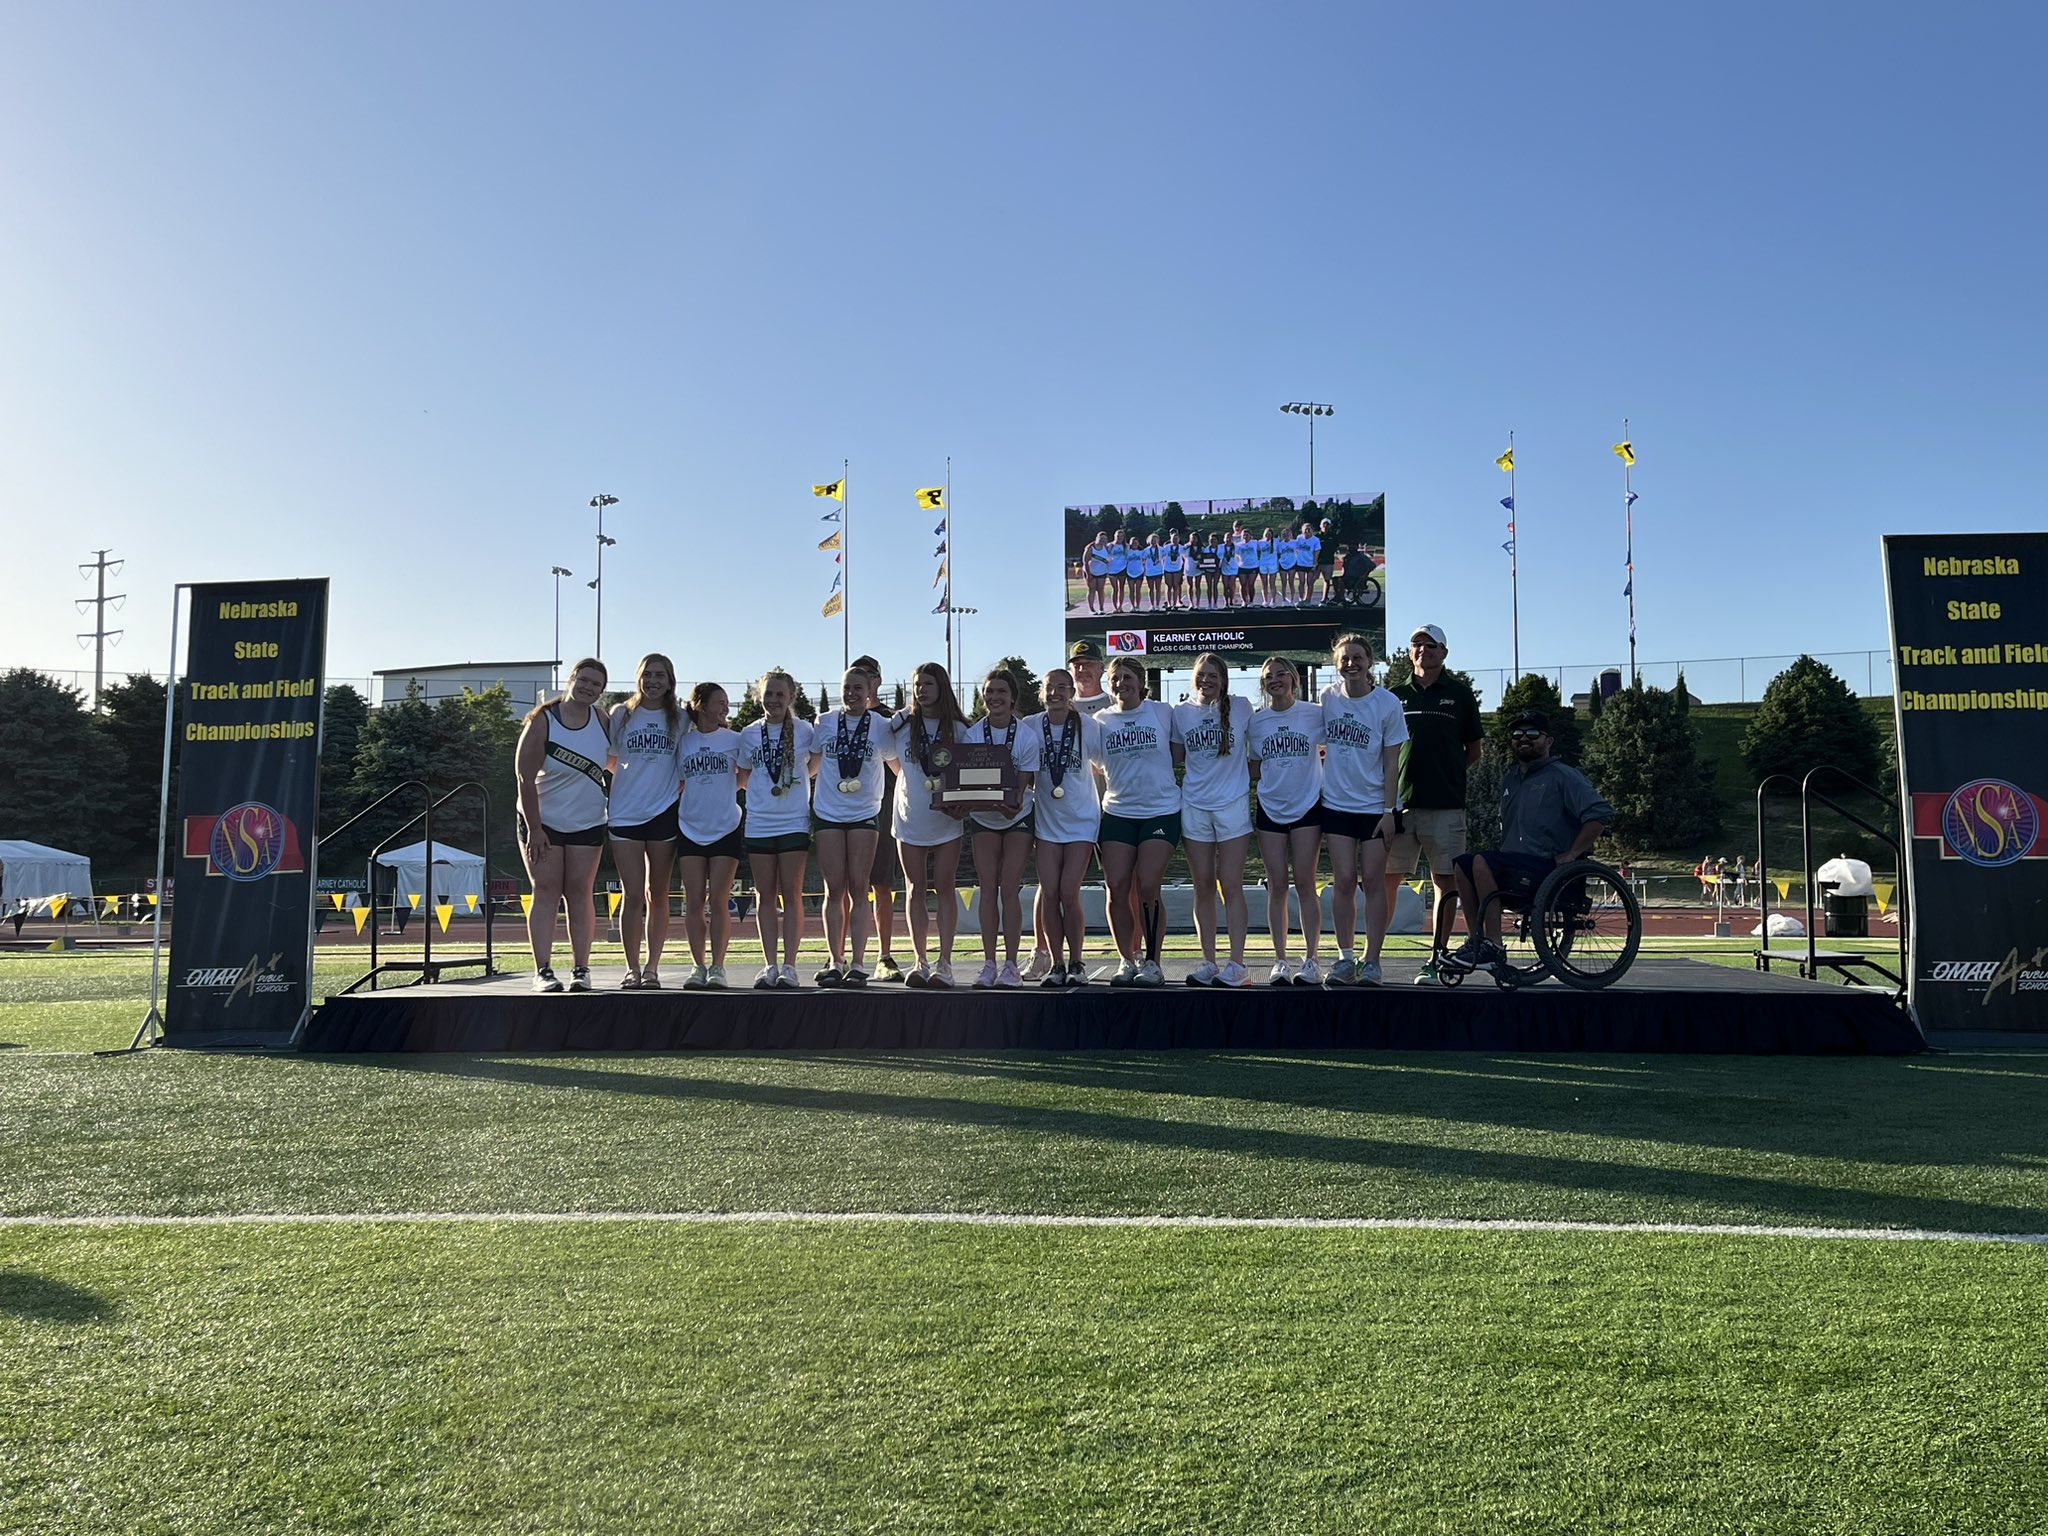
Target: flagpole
pixel 846 568
pixel 952 553
pixel 1628 523
pixel 1514 563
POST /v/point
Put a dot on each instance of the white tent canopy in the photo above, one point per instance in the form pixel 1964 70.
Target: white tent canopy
pixel 38 872
pixel 456 874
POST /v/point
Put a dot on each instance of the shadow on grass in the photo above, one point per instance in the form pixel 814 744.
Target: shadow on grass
pixel 1673 1179
pixel 40 1299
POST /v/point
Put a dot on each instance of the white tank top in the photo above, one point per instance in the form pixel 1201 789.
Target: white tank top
pixel 571 781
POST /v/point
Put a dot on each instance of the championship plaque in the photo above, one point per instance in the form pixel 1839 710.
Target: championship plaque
pixel 973 773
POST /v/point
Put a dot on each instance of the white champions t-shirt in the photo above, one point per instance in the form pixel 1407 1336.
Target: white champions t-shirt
pixel 644 782
pixel 770 814
pixel 1214 783
pixel 863 754
pixel 1137 755
pixel 1290 769
pixel 1023 752
pixel 1355 732
pixel 912 818
pixel 708 765
pixel 1076 816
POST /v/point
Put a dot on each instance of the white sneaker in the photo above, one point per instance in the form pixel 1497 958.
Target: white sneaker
pixel 942 974
pixel 1126 975
pixel 1149 975
pixel 766 979
pixel 987 978
pixel 1279 978
pixel 1234 975
pixel 1310 974
pixel 788 977
pixel 1204 975
pixel 1009 976
pixel 1040 966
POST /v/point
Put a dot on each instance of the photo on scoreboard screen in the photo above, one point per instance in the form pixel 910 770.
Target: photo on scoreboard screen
pixel 1248 577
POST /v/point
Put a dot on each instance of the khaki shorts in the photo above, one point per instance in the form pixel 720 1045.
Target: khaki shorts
pixel 1440 834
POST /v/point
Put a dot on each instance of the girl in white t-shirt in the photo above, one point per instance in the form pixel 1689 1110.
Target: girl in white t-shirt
pixel 1287 765
pixel 775 754
pixel 1067 810
pixel 1140 819
pixel 847 751
pixel 1002 835
pixel 643 732
pixel 708 818
pixel 1216 814
pixel 1363 728
pixel 928 838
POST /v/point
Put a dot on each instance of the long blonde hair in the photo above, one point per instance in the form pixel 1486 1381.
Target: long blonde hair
pixel 670 709
pixel 1126 664
pixel 1211 659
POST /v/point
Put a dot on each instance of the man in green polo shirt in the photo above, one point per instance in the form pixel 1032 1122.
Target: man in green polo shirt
pixel 1444 736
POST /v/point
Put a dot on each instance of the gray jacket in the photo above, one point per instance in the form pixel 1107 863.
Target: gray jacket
pixel 1543 806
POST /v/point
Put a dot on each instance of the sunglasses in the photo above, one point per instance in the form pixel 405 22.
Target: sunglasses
pixel 1525 733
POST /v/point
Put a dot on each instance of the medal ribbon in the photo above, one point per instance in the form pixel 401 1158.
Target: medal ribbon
pixel 852 754
pixel 1061 758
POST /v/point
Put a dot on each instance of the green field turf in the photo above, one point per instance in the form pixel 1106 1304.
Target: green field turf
pixel 635 1375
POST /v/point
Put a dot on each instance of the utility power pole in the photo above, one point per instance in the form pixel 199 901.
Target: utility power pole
pixel 99 634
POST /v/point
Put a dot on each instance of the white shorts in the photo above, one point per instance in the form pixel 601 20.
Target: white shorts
pixel 1200 826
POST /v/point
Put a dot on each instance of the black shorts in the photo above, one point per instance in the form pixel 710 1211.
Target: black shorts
pixel 865 824
pixel 1515 875
pixel 1312 817
pixel 589 837
pixel 1363 826
pixel 775 844
pixel 731 846
pixel 1024 825
pixel 656 829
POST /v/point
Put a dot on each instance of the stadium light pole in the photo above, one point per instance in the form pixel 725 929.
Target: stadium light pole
pixel 559 572
pixel 1311 409
pixel 601 501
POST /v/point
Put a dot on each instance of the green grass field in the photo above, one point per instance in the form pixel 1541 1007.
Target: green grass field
pixel 391 1329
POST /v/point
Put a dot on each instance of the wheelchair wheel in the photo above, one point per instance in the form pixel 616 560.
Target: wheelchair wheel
pixel 1586 925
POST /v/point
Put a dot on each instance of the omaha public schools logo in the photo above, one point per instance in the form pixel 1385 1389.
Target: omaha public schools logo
pixel 1127 642
pixel 247 842
pixel 1990 823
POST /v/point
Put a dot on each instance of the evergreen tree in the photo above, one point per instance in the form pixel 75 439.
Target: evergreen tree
pixel 1809 717
pixel 1484 781
pixel 55 768
pixel 396 743
pixel 476 740
pixel 1643 755
pixel 1030 688
pixel 343 717
pixel 132 724
pixel 1536 692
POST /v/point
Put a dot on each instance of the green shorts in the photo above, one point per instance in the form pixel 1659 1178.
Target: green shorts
pixel 1136 830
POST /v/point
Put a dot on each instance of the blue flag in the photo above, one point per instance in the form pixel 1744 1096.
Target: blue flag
pixel 941 529
pixel 830 517
pixel 1631 498
pixel 1508 502
pixel 1509 546
pixel 1630 589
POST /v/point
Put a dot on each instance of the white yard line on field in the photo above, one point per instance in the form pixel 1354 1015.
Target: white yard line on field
pixel 1027 1219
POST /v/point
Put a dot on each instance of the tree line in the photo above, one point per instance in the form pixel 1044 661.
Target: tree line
pixel 89 783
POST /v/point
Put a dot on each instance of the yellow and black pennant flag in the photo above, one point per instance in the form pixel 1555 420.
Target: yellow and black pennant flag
pixel 1626 452
pixel 1506 461
pixel 836 490
pixel 932 497
pixel 833 604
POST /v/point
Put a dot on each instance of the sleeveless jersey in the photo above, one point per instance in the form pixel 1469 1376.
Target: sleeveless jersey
pixel 572 783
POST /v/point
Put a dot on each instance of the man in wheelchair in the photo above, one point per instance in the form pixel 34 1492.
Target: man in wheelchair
pixel 1550 815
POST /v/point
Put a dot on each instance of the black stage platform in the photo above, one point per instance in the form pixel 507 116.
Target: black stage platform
pixel 1662 1005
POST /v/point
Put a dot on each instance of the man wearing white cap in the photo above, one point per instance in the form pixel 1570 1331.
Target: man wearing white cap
pixel 1444 737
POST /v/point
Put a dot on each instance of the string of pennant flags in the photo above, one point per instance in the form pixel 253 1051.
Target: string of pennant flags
pixel 1625 450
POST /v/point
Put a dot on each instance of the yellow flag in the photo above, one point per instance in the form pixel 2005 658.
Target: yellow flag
pixel 58 905
pixel 613 900
pixel 1420 888
pixel 338 899
pixel 1321 886
pixel 414 898
pixel 470 900
pixel 112 905
pixel 1506 461
pixel 831 541
pixel 1626 452
pixel 931 497
pixel 833 605
pixel 965 896
pixel 1784 889
pixel 1883 890
pixel 152 900
pixel 941 576
pixel 836 490
pixel 362 916
pixel 526 901
pixel 444 911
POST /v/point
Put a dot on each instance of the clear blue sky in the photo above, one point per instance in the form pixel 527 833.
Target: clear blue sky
pixel 387 292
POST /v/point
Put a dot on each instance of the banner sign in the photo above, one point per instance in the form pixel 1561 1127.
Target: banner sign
pixel 1969 617
pixel 248 794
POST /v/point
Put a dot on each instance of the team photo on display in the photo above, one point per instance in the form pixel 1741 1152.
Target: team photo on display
pixel 1103 774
